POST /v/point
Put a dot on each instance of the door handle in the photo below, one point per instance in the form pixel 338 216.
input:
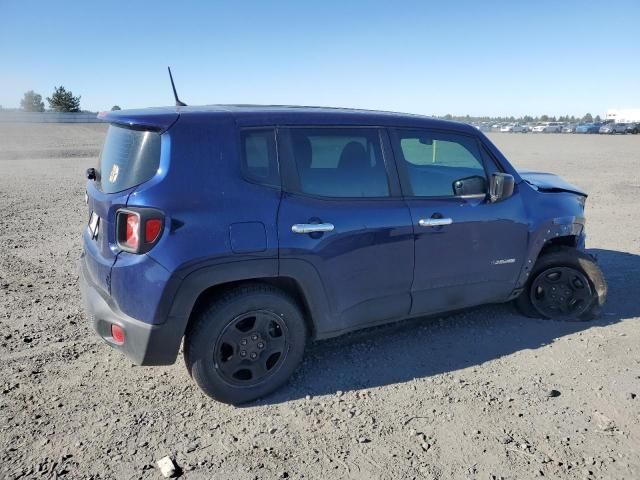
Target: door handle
pixel 434 222
pixel 312 227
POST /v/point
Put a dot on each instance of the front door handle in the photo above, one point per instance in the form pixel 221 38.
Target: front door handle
pixel 312 227
pixel 434 222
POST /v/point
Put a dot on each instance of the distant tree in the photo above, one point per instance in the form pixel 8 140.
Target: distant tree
pixel 32 102
pixel 115 107
pixel 63 101
pixel 544 118
pixel 448 116
pixel 587 118
pixel 598 119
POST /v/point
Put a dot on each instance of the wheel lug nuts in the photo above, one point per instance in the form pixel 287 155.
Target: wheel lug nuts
pixel 243 341
pixel 253 355
pixel 260 345
pixel 243 353
pixel 254 337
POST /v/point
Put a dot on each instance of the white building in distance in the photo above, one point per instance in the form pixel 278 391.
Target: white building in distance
pixel 624 115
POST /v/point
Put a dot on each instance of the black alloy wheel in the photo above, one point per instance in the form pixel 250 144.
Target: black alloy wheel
pixel 251 347
pixel 245 342
pixel 565 284
pixel 562 293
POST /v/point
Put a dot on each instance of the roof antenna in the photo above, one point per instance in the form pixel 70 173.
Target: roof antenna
pixel 179 103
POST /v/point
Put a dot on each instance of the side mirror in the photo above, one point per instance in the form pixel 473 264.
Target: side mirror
pixel 475 185
pixel 501 187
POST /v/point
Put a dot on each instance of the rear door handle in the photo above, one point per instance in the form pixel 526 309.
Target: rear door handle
pixel 434 222
pixel 312 227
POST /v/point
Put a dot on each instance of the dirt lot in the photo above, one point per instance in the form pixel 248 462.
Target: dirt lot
pixel 465 396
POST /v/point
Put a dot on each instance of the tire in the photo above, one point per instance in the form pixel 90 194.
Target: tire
pixel 578 268
pixel 230 350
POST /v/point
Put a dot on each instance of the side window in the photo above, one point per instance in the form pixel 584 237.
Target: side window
pixel 439 164
pixel 338 162
pixel 259 159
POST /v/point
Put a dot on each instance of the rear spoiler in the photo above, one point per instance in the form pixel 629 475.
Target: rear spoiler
pixel 157 119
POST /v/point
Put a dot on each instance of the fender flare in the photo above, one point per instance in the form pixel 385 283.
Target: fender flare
pixel 201 278
pixel 545 233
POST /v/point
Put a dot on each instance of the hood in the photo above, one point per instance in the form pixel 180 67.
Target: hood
pixel 548 182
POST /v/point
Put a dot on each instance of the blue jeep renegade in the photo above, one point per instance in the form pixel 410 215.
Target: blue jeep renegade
pixel 248 231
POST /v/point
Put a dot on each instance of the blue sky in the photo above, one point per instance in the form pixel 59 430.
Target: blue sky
pixel 459 57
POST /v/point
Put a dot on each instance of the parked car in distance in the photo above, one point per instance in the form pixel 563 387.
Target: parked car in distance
pixel 569 128
pixel 547 127
pixel 483 127
pixel 513 128
pixel 613 128
pixel 588 128
pixel 633 128
pixel 244 232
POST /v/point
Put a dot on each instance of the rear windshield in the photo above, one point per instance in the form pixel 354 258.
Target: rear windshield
pixel 129 158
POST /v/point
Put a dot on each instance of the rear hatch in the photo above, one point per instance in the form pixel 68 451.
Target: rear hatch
pixel 130 157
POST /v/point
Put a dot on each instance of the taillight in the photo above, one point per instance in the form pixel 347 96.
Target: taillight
pixel 152 230
pixel 132 232
pixel 137 231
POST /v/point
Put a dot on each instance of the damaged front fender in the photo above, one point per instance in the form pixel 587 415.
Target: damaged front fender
pixel 557 231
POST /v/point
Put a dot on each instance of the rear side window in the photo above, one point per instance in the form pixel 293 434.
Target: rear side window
pixel 129 158
pixel 338 162
pixel 259 156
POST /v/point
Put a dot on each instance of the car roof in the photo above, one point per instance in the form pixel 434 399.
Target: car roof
pixel 246 115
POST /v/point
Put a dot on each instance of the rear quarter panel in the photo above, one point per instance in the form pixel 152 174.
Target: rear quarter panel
pixel 212 213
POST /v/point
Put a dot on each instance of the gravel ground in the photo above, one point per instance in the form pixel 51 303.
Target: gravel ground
pixel 463 396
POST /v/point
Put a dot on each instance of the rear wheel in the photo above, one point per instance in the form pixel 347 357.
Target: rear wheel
pixel 245 344
pixel 565 284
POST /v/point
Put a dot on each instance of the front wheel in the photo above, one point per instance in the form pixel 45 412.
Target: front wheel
pixel 245 344
pixel 565 284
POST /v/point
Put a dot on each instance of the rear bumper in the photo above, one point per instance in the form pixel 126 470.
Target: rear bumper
pixel 144 344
